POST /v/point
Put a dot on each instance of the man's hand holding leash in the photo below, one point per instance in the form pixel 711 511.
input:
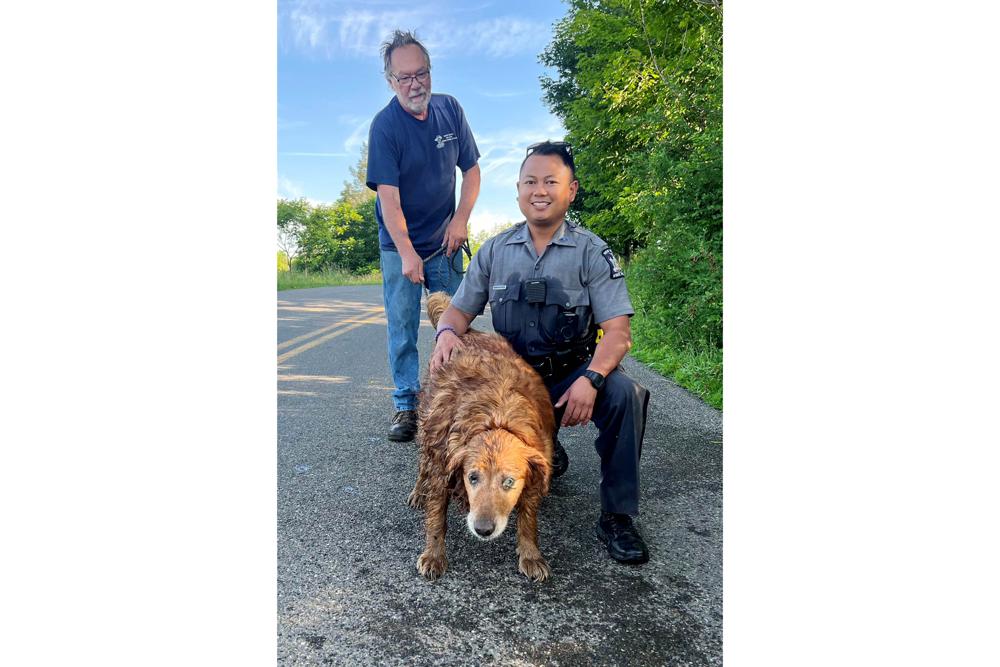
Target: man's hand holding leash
pixel 455 235
pixel 458 229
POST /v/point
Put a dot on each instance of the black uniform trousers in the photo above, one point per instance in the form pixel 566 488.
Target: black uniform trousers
pixel 620 417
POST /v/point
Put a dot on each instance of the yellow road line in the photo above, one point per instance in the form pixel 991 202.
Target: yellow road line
pixel 306 336
pixel 323 339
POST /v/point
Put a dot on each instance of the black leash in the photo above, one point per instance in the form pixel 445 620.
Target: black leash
pixel 460 270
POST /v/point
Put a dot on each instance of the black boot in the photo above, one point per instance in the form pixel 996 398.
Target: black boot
pixel 624 542
pixel 404 426
pixel 560 460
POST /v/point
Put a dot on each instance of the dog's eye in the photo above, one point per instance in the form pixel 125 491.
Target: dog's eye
pixel 508 483
pixel 473 477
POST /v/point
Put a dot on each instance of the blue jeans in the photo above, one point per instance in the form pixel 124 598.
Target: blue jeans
pixel 402 311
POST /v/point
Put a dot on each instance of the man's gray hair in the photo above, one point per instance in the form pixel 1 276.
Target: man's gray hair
pixel 400 38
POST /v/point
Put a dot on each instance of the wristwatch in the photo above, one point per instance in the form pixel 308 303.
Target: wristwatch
pixel 595 378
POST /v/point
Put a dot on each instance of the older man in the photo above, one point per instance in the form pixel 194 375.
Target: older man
pixel 414 145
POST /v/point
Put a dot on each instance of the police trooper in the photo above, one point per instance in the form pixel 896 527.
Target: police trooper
pixel 550 284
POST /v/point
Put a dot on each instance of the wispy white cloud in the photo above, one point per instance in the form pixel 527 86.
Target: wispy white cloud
pixel 498 95
pixel 326 29
pixel 287 189
pixel 361 33
pixel 290 124
pixel 508 157
pixel 290 190
pixel 299 154
pixel 356 128
pixel 308 24
pixel 360 134
pixel 499 37
pixel 355 28
pixel 502 152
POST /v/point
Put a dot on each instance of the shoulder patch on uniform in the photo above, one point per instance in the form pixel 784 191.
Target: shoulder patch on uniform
pixel 616 268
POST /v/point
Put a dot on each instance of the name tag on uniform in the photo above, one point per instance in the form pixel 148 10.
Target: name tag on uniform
pixel 499 287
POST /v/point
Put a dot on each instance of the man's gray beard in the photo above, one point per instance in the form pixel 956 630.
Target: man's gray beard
pixel 417 108
pixel 422 107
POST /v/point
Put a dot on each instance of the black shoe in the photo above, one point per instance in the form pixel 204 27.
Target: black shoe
pixel 404 426
pixel 560 460
pixel 624 542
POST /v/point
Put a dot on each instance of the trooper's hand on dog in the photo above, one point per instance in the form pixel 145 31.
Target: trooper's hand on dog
pixel 444 349
pixel 579 401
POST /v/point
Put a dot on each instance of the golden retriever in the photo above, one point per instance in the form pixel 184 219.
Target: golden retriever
pixel 485 425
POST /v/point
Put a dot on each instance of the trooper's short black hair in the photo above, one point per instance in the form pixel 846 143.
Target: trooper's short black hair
pixel 561 148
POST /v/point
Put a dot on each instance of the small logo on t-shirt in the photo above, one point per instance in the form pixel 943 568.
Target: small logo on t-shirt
pixel 441 139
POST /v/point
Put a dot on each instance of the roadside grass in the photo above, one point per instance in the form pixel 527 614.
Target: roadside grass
pixel 697 367
pixel 699 370
pixel 300 279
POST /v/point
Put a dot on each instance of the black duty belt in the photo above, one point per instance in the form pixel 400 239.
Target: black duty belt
pixel 556 366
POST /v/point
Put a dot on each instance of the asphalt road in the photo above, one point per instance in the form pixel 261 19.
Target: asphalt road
pixel 348 588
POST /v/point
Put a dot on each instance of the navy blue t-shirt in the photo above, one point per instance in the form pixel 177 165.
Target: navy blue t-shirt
pixel 419 157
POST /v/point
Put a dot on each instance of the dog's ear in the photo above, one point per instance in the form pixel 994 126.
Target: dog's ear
pixel 539 468
pixel 456 459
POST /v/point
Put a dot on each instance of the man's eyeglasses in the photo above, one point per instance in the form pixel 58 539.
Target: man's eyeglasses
pixel 407 80
pixel 563 145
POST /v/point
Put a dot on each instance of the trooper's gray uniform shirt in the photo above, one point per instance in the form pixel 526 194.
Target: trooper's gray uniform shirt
pixel 583 286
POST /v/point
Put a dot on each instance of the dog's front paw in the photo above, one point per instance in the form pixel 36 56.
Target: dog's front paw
pixel 415 500
pixel 534 568
pixel 431 564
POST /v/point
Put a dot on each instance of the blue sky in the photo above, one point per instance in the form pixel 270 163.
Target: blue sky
pixel 330 85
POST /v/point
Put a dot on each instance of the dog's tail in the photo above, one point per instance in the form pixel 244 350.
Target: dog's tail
pixel 437 303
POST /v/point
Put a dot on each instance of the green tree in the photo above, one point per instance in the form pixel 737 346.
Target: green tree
pixel 340 236
pixel 356 191
pixel 292 215
pixel 343 235
pixel 323 235
pixel 365 257
pixel 476 239
pixel 638 85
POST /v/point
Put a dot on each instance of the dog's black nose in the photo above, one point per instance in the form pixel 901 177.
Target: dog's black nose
pixel 483 527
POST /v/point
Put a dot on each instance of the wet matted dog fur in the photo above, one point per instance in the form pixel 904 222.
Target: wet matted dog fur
pixel 485 425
